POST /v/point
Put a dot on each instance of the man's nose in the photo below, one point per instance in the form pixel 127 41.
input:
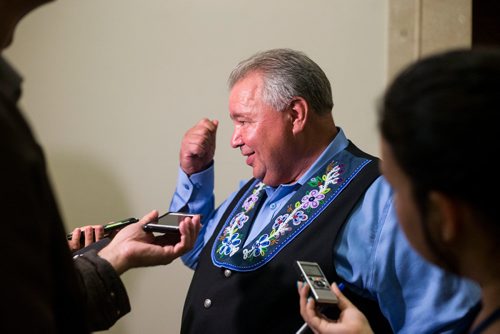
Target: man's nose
pixel 236 140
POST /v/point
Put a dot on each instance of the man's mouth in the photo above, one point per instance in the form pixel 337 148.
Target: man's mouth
pixel 249 157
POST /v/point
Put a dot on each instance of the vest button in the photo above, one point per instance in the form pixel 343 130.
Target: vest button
pixel 207 303
pixel 227 273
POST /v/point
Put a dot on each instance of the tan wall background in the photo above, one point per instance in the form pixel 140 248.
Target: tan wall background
pixel 422 27
pixel 113 85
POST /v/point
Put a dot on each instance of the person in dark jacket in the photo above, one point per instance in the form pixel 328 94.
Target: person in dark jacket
pixel 43 289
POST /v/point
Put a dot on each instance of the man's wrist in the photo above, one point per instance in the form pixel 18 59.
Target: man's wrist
pixel 114 258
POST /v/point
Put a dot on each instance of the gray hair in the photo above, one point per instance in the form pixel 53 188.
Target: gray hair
pixel 287 73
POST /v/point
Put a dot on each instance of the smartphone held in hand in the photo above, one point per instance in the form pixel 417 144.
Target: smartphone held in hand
pixel 167 223
pixel 109 228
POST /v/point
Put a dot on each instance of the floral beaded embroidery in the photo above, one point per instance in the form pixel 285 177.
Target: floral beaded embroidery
pixel 307 203
pixel 231 239
pixel 299 214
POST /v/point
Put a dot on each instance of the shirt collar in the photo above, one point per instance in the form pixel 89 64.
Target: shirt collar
pixel 338 144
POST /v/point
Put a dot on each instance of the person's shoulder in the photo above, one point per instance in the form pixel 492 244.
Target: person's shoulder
pixel 378 203
pixel 380 188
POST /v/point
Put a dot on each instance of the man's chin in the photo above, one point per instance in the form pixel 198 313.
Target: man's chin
pixel 258 176
pixel 266 181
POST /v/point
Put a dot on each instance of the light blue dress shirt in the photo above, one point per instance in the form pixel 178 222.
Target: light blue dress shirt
pixel 371 253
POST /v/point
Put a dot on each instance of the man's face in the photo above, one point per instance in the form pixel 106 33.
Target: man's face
pixel 263 134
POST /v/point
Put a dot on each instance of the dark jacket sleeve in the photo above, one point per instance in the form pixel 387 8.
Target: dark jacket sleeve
pixel 105 295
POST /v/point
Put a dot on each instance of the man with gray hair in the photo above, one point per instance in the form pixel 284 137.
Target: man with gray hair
pixel 314 196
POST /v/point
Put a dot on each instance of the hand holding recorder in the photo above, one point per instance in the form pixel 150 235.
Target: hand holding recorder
pixel 350 319
pixel 133 247
pixel 167 223
pixel 87 235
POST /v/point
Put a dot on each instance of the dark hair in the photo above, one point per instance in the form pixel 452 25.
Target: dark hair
pixel 440 117
pixel 287 73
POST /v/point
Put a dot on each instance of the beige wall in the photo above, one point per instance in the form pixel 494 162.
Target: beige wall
pixel 112 86
pixel 422 27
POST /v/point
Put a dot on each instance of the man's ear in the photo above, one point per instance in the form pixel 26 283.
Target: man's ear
pixel 450 212
pixel 299 112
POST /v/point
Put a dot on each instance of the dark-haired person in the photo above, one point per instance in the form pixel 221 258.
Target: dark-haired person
pixel 439 133
pixel 40 290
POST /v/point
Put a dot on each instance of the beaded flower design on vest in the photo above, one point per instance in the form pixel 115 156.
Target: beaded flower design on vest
pixel 300 211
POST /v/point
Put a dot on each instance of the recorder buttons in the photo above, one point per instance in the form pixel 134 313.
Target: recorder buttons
pixel 207 303
pixel 320 283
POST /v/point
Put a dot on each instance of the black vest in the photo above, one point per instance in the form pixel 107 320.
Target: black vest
pixel 266 300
